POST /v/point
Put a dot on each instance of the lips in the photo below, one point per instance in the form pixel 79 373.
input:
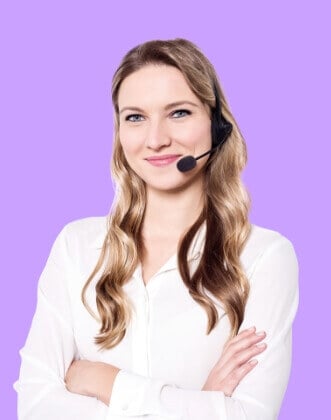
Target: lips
pixel 162 160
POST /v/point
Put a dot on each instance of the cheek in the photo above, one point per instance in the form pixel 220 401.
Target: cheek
pixel 201 136
pixel 130 142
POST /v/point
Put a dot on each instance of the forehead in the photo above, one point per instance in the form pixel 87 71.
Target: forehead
pixel 154 82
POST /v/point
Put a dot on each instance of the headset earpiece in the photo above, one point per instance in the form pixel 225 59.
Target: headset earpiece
pixel 220 127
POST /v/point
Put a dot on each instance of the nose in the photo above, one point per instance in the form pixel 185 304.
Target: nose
pixel 157 136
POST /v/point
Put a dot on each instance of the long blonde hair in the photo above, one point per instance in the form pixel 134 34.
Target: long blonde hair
pixel 225 212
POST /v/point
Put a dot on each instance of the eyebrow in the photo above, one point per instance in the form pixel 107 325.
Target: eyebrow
pixel 173 104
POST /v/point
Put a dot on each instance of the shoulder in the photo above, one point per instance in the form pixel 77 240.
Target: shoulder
pixel 81 235
pixel 77 246
pixel 273 275
pixel 269 246
pixel 91 229
pixel 73 254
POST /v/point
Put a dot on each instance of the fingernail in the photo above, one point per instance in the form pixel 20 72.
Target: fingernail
pixel 253 362
pixel 251 329
pixel 260 333
pixel 261 345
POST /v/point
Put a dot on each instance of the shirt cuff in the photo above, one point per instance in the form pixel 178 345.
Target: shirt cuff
pixel 137 395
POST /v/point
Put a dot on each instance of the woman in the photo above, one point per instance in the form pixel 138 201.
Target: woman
pixel 175 306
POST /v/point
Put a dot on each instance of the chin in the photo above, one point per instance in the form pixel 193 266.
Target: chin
pixel 166 185
pixel 177 184
pixel 170 180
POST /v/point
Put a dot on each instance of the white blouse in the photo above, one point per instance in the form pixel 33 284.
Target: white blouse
pixel 166 355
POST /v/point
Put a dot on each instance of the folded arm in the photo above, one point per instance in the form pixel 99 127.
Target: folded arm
pixel 271 307
pixel 50 349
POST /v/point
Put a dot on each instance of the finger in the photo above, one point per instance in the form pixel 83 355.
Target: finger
pixel 244 356
pixel 240 352
pixel 237 376
pixel 240 358
pixel 238 337
pixel 244 333
pixel 246 341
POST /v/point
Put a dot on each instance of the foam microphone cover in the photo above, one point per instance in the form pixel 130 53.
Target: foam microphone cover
pixel 186 163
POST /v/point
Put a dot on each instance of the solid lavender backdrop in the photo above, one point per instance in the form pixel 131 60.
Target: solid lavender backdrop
pixel 56 132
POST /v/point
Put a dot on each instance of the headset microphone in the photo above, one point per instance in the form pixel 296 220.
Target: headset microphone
pixel 220 131
pixel 189 162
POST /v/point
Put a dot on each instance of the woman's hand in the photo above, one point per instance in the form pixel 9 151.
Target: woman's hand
pixel 93 379
pixel 235 362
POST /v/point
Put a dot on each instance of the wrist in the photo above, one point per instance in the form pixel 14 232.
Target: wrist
pixel 104 378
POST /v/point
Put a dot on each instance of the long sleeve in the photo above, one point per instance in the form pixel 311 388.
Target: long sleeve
pixel 271 307
pixel 50 348
pixel 59 334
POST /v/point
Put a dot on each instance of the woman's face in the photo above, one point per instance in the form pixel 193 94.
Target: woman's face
pixel 155 132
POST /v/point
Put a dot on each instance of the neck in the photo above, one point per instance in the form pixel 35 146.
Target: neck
pixel 169 214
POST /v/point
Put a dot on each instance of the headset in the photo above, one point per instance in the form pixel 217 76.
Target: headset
pixel 220 131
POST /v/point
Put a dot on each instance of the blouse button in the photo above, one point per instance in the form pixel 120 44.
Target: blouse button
pixel 125 406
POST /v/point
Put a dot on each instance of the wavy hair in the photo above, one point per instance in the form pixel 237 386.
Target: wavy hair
pixel 225 210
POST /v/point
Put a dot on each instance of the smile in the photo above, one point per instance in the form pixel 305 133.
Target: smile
pixel 162 160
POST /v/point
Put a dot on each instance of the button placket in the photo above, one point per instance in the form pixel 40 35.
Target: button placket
pixel 148 328
pixel 140 344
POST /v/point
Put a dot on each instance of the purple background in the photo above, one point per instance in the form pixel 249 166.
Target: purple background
pixel 57 61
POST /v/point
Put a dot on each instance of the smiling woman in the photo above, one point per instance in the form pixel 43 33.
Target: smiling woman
pixel 159 309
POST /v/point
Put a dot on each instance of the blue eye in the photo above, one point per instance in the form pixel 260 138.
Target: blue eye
pixel 128 118
pixel 182 110
pixel 136 117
